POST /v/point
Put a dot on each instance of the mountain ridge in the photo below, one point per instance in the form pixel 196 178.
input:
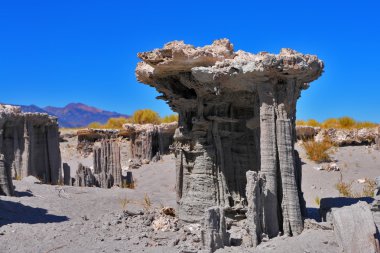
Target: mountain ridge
pixel 75 114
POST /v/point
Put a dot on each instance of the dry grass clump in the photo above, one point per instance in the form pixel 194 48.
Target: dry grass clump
pixel 147 202
pixel 317 201
pixel 318 151
pixel 340 123
pixel 369 188
pixel 345 188
pixel 124 202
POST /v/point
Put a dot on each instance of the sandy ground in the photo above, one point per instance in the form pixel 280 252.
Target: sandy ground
pixel 355 162
pixel 45 218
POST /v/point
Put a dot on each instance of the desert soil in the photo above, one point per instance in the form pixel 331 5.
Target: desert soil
pixel 46 218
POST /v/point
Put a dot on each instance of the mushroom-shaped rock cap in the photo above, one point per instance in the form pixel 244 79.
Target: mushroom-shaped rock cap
pixel 219 63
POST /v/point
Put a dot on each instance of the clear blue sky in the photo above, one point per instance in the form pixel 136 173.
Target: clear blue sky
pixel 61 51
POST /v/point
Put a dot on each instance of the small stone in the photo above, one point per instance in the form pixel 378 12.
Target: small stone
pixel 175 242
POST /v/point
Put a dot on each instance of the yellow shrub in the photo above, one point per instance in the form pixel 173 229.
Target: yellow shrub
pixel 300 123
pixel 366 124
pixel 313 123
pixel 146 116
pixel 330 123
pixel 170 118
pixel 346 122
pixel 318 151
pixel 115 123
pixel 95 125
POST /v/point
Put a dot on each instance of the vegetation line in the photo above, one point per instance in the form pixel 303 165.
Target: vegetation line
pixel 341 123
pixel 145 116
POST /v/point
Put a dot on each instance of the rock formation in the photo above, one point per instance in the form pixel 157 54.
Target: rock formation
pixel 355 229
pixel 306 132
pixel 107 166
pixel 344 137
pixel 66 174
pixel 255 196
pixel 146 141
pixel 236 114
pixel 88 137
pixel 84 177
pixel 142 141
pixel 29 145
pixel 214 235
pixel 377 140
pixel 375 206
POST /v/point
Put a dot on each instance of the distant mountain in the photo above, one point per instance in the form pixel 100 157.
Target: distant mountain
pixel 75 114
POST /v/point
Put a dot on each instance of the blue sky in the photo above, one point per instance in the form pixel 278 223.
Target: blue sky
pixel 56 52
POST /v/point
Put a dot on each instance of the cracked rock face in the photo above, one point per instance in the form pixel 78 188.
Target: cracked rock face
pixel 236 114
pixel 29 145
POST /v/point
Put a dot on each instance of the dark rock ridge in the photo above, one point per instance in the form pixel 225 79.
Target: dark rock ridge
pixel 29 145
pixel 236 114
pixel 75 114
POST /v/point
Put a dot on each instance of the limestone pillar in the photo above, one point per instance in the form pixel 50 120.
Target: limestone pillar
pixel 236 114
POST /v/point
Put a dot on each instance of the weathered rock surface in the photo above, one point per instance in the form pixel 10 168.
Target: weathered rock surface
pixel 344 137
pixel 149 140
pixel 146 141
pixel 29 145
pixel 107 164
pixel 236 113
pixel 88 137
pixel 377 140
pixel 376 196
pixel 84 177
pixel 255 198
pixel 328 204
pixel 306 132
pixel 214 234
pixel 355 228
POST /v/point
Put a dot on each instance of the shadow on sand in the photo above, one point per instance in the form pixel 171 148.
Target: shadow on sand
pixel 326 204
pixel 26 193
pixel 313 213
pixel 12 212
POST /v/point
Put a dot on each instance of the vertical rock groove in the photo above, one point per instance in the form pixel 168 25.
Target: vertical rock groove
pixel 107 165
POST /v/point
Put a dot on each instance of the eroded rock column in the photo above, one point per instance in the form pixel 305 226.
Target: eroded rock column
pixel 236 114
pixel 107 166
pixel 29 145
